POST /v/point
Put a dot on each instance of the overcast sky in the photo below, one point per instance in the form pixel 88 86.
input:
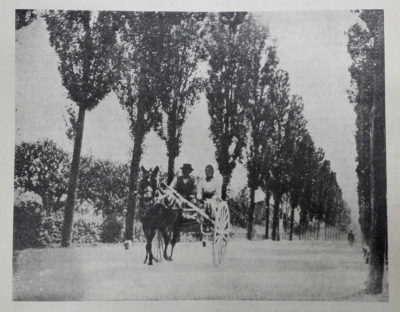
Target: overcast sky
pixel 311 47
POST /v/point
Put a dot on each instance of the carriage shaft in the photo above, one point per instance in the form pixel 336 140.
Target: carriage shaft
pixel 192 206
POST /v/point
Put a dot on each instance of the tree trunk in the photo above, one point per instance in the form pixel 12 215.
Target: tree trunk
pixel 267 197
pixel 302 223
pixel 275 217
pixel 250 219
pixel 378 199
pixel 46 203
pixel 378 171
pixel 365 200
pixel 171 168
pixel 225 182
pixel 366 225
pixel 278 224
pixel 291 223
pixel 133 183
pixel 172 141
pixel 69 207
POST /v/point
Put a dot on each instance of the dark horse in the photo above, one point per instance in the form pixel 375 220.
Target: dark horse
pixel 161 216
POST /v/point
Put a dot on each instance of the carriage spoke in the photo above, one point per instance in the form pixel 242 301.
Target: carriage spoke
pixel 158 246
pixel 218 239
pixel 221 233
pixel 220 251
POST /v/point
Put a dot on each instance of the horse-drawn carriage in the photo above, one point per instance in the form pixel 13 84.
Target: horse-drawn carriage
pixel 218 222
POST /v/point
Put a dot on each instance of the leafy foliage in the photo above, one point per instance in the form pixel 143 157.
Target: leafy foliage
pixel 103 184
pixel 138 63
pixel 42 168
pixel 34 227
pixel 111 229
pixel 238 207
pixel 83 42
pixel 27 221
pixel 24 18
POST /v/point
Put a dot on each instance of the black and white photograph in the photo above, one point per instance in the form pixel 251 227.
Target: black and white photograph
pixel 200 155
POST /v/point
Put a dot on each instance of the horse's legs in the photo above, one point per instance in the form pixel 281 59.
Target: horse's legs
pixel 176 232
pixel 149 238
pixel 175 238
pixel 167 238
pixel 146 234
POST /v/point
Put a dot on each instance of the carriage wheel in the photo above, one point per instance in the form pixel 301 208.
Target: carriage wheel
pixel 157 246
pixel 221 233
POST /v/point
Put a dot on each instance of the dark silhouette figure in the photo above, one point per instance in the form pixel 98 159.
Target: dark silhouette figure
pixel 350 237
pixel 366 253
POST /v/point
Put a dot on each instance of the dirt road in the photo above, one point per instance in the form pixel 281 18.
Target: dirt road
pixel 297 270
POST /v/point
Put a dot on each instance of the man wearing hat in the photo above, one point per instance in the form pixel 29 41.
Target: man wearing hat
pixel 185 184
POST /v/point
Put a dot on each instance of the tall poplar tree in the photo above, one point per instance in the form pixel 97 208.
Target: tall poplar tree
pixel 139 63
pixel 366 47
pixel 227 92
pixel 279 162
pixel 260 122
pixel 83 42
pixel 297 139
pixel 184 50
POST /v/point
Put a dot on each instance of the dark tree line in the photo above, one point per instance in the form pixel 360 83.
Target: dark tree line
pixel 366 47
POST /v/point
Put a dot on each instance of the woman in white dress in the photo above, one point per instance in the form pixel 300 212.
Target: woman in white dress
pixel 208 191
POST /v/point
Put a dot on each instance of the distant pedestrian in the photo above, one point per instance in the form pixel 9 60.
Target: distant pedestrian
pixel 350 237
pixel 366 253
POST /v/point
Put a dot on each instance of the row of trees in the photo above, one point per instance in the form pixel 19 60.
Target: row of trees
pixel 42 168
pixel 366 48
pixel 151 60
pixel 255 119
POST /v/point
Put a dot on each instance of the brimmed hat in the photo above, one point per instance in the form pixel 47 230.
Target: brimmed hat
pixel 210 166
pixel 187 167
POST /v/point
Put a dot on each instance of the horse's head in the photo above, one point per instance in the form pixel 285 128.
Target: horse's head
pixel 149 183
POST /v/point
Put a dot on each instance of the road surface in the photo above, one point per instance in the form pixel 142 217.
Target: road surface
pixel 257 270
